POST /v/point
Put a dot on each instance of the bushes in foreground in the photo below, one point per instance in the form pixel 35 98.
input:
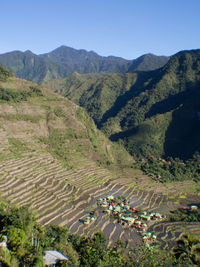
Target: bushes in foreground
pixel 28 241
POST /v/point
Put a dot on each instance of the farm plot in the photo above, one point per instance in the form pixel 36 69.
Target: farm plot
pixel 65 196
pixel 168 232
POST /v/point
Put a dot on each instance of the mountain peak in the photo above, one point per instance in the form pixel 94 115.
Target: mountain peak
pixel 65 60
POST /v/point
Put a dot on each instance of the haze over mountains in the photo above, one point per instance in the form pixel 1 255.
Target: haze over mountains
pixel 64 60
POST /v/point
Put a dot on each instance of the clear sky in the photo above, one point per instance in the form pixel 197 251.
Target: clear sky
pixel 126 28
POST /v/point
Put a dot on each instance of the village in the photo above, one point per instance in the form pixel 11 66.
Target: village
pixel 128 216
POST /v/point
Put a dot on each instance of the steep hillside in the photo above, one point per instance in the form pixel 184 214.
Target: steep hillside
pixel 97 93
pixel 54 160
pixel 64 60
pixel 28 108
pixel 155 112
pixel 29 66
pixel 162 119
pixel 148 62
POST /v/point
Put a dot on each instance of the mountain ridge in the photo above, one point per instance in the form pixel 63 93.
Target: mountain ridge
pixel 142 109
pixel 64 60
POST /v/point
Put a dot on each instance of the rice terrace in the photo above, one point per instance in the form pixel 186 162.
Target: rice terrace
pixel 109 176
pixel 68 197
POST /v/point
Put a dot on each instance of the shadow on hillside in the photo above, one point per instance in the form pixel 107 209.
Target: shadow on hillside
pixel 173 101
pixel 124 134
pixel 169 104
pixel 182 136
pixel 134 91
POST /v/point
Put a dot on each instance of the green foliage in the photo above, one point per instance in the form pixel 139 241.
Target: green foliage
pixel 187 250
pixel 19 225
pixel 8 95
pixel 94 251
pixel 153 256
pixel 65 60
pixel 185 215
pixel 172 169
pixel 56 237
pixel 16 237
pixel 148 62
pixel 36 91
pixel 17 147
pixel 7 258
pixel 154 112
pixel 5 73
pixel 59 112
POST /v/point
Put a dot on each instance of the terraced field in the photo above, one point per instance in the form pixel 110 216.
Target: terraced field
pixel 36 136
pixel 65 196
pixel 168 232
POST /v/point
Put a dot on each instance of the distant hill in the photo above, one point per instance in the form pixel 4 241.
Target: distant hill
pixel 83 61
pixel 29 66
pixel 64 60
pixel 154 112
pixel 148 62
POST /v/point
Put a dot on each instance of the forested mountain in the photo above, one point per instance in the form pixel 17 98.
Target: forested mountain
pixel 64 60
pixel 83 61
pixel 29 66
pixel 147 62
pixel 154 112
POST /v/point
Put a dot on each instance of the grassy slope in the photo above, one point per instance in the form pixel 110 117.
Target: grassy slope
pixel 150 112
pixel 53 124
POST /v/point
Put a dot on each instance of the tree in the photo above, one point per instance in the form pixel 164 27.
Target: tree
pixel 187 249
pixel 16 237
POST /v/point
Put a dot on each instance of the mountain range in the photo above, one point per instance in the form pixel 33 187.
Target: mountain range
pixel 149 112
pixel 64 60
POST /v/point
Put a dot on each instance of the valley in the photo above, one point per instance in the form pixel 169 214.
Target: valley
pixel 57 163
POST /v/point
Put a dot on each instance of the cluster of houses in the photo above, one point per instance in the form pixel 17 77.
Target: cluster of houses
pixel 124 213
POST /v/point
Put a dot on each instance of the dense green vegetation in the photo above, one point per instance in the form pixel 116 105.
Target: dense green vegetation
pixel 7 94
pixel 29 66
pixel 185 215
pixel 5 73
pixel 154 112
pixel 187 250
pixel 28 241
pixel 147 62
pixel 65 60
pixel 172 169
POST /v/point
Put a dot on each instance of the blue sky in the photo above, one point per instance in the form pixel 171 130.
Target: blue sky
pixel 126 28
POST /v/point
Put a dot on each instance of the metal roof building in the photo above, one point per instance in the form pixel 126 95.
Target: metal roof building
pixel 52 257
